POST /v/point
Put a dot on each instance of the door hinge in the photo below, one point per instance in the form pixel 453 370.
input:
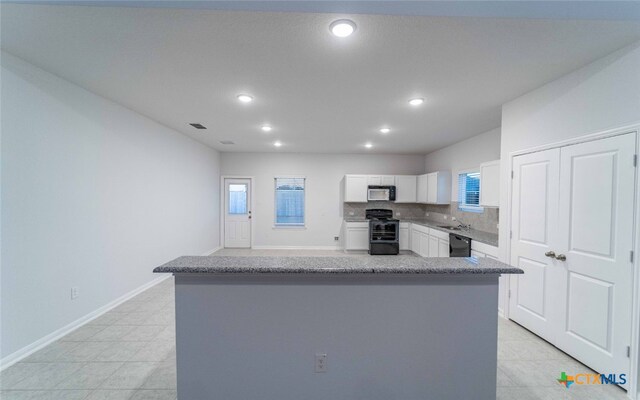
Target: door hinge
pixel 511 174
pixel 631 256
pixel 628 351
pixel 510 234
pixel 509 294
pixel 635 160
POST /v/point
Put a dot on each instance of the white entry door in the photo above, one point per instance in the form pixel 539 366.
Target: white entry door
pixel 237 218
pixel 572 226
pixel 596 236
pixel 534 229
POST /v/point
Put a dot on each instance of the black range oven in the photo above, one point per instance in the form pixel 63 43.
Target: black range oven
pixel 384 232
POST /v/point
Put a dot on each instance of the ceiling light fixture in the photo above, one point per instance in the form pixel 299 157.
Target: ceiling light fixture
pixel 416 101
pixel 385 130
pixel 277 143
pixel 342 27
pixel 368 145
pixel 266 128
pixel 245 98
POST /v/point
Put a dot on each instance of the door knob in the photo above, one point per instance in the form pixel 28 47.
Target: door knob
pixel 550 254
pixel 561 257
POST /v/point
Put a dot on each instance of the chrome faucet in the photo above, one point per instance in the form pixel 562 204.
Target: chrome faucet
pixel 463 226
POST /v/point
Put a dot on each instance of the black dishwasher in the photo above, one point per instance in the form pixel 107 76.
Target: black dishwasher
pixel 459 246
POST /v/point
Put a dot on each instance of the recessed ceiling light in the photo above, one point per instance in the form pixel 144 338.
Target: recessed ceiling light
pixel 266 128
pixel 385 130
pixel 277 143
pixel 416 101
pixel 342 27
pixel 368 145
pixel 245 98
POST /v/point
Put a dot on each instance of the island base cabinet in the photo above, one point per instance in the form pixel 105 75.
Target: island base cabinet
pixel 249 337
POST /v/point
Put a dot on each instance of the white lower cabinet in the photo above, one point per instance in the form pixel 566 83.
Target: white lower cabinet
pixel 433 246
pixel 356 236
pixel 443 248
pixel 405 243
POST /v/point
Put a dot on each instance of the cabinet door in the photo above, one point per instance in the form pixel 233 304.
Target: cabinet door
pixel 406 189
pixel 374 180
pixel 424 245
pixel 432 187
pixel 422 189
pixel 357 239
pixel 443 248
pixel 490 184
pixel 404 239
pixel 355 189
pixel 415 241
pixel 387 180
pixel 433 246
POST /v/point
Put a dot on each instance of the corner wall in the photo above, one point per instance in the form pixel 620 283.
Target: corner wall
pixel 600 96
pixel 464 155
pixel 94 196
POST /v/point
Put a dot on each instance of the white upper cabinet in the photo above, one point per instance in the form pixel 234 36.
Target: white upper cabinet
pixel 421 189
pixel 490 184
pixel 381 180
pixel 355 188
pixel 406 188
pixel 434 188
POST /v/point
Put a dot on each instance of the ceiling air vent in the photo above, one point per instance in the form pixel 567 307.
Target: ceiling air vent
pixel 226 142
pixel 198 126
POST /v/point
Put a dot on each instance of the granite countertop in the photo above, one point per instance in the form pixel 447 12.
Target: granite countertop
pixel 402 264
pixel 480 236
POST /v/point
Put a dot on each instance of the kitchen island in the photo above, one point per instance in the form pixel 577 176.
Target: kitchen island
pixel 394 327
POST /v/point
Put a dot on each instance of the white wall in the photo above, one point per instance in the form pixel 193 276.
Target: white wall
pixel 94 196
pixel 324 173
pixel 465 155
pixel 602 95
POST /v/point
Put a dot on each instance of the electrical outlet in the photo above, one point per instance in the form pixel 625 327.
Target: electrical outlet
pixel 74 293
pixel 351 213
pixel 321 363
pixel 444 216
pixel 336 238
pixel 453 218
pixel 426 215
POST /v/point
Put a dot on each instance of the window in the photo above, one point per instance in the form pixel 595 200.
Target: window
pixel 469 191
pixel 238 199
pixel 290 201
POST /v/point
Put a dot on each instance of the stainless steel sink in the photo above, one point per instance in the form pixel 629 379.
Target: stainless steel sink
pixel 451 228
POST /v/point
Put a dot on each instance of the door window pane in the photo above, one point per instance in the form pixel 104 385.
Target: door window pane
pixel 290 201
pixel 238 198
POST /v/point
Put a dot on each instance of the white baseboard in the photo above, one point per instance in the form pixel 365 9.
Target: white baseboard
pixel 53 336
pixel 209 252
pixel 296 247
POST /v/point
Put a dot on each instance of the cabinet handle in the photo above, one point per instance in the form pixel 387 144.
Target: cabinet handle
pixel 551 254
pixel 561 257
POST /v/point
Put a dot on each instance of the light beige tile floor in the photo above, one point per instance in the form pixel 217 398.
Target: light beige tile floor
pixel 129 354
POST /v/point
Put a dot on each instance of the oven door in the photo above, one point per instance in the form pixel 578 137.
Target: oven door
pixel 383 231
pixel 378 195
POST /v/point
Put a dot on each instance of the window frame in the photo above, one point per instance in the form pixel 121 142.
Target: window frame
pixel 277 225
pixel 462 205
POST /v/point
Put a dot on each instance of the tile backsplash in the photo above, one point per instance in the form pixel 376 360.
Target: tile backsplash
pixel 486 221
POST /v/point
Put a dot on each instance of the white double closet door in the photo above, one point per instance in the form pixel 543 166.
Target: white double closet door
pixel 572 234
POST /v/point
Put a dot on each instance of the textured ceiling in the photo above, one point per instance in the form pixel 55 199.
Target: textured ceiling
pixel 320 93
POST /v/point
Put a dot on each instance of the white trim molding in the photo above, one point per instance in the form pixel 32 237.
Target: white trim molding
pixel 53 336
